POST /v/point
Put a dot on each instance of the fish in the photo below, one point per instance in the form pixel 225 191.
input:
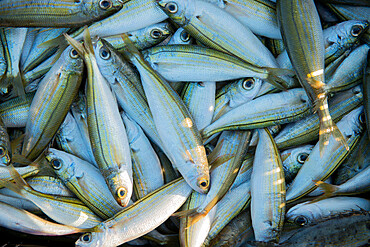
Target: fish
pixel 103 117
pixel 146 166
pixel 59 87
pixel 13 40
pixel 305 130
pixel 309 213
pixel 318 167
pixel 85 181
pixel 176 128
pixel 26 222
pixel 259 16
pixel 67 211
pixel 64 13
pixel 234 94
pixel 199 97
pixel 153 209
pixel 268 110
pixel 178 63
pixel 267 190
pixel 303 38
pixel 5 148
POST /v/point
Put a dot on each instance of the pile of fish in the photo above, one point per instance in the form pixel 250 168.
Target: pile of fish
pixel 186 122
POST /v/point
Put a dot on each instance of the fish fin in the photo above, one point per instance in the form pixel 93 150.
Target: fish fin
pixel 17 143
pixel 88 42
pixel 75 44
pixel 213 156
pixel 185 213
pixel 19 183
pixel 221 112
pixel 274 77
pixel 58 53
pixel 192 219
pixel 130 50
pixel 21 159
pixel 17 83
pixel 219 161
pixel 329 190
pixel 327 128
pixel 56 42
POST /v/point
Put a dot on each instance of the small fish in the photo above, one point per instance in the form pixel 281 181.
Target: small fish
pixel 318 167
pixel 153 209
pixel 180 137
pixel 267 190
pixel 303 38
pixel 106 129
pixel 63 13
pixel 58 88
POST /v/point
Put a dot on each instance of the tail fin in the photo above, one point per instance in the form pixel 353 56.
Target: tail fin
pixel 85 49
pixel 16 81
pixel 130 50
pixel 193 216
pixel 56 42
pixel 274 77
pixel 75 44
pixel 19 182
pixel 328 127
pixel 185 213
pixel 329 190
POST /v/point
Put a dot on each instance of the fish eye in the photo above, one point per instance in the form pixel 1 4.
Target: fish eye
pixel 73 53
pixel 203 183
pixel 56 164
pixel 361 118
pixel 184 36
pixel 156 34
pixel 86 237
pixel 171 7
pixel 356 30
pixel 121 192
pixel 201 84
pixel 301 220
pixel 302 158
pixel 2 151
pixel 105 4
pixel 248 84
pixel 104 53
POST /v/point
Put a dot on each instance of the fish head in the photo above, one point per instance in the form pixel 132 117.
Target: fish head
pixel 293 159
pixel 181 37
pixel 96 239
pixel 60 163
pixel 106 58
pixel 177 10
pixel 246 89
pixel 71 61
pixel 158 31
pixel 345 34
pixel 5 155
pixel 302 214
pixel 119 182
pixel 97 8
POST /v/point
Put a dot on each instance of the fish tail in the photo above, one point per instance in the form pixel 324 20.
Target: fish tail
pixel 59 41
pixel 328 127
pixel 328 189
pixel 185 213
pixel 88 42
pixel 16 81
pixel 130 50
pixel 76 45
pixel 19 183
pixel 275 75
